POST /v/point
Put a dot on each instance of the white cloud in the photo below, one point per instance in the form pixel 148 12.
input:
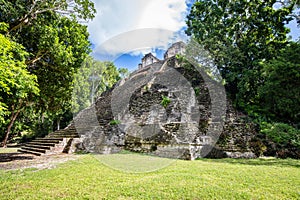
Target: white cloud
pixel 115 17
pixel 164 14
pixel 143 51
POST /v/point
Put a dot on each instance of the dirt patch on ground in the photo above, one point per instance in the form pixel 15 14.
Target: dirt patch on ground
pixel 13 161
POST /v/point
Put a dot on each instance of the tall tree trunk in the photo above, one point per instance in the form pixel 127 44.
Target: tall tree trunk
pixel 58 124
pixel 13 118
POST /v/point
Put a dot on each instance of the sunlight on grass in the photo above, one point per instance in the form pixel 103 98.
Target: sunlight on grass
pixel 134 163
pixel 8 150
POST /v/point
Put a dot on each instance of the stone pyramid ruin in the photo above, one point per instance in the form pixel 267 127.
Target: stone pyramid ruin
pixel 167 108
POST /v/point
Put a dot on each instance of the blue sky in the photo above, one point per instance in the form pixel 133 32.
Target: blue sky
pixel 130 61
pixel 116 21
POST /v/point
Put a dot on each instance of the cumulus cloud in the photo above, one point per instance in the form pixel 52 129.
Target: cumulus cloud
pixel 117 17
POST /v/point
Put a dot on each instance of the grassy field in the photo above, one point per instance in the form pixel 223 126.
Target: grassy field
pixel 88 178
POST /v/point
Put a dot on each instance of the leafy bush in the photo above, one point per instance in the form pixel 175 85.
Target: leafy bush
pixel 282 139
pixel 282 134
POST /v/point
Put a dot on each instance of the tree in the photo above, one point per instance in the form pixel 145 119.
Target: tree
pixel 297 14
pixel 62 45
pixel 19 14
pixel 239 35
pixel 124 72
pixel 279 95
pixel 92 79
pixel 56 43
pixel 57 46
pixel 293 4
pixel 17 84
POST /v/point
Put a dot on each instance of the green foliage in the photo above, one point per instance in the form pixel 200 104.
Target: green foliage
pixel 184 62
pixel 124 73
pixel 197 91
pixel 56 45
pixel 19 14
pixel 146 88
pixel 281 134
pixel 281 140
pixel 17 85
pixel 15 79
pixel 179 58
pixel 3 27
pixel 93 78
pixel 279 95
pixel 247 40
pixel 239 35
pixel 165 101
pixel 114 122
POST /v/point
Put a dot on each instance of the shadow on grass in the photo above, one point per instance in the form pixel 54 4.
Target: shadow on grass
pixel 260 161
pixel 8 157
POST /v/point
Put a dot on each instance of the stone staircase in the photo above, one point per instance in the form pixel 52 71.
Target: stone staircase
pixel 56 142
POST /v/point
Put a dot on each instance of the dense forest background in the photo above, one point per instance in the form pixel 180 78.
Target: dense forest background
pixel 43 45
pixel 249 43
pixel 44 58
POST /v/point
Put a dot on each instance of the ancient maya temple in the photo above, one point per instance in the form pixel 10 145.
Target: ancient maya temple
pixel 167 108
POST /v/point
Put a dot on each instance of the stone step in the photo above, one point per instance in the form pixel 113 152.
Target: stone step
pixel 71 129
pixel 30 152
pixel 41 146
pixel 63 136
pixel 67 133
pixel 64 132
pixel 48 140
pixel 32 149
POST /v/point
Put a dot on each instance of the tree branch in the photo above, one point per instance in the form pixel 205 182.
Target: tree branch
pixel 38 56
pixel 34 10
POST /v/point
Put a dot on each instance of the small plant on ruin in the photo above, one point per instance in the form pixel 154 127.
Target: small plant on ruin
pixel 114 122
pixel 197 91
pixel 165 101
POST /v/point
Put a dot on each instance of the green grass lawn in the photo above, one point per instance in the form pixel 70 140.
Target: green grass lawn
pixel 88 178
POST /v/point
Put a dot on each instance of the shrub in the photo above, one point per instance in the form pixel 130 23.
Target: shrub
pixel 284 139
